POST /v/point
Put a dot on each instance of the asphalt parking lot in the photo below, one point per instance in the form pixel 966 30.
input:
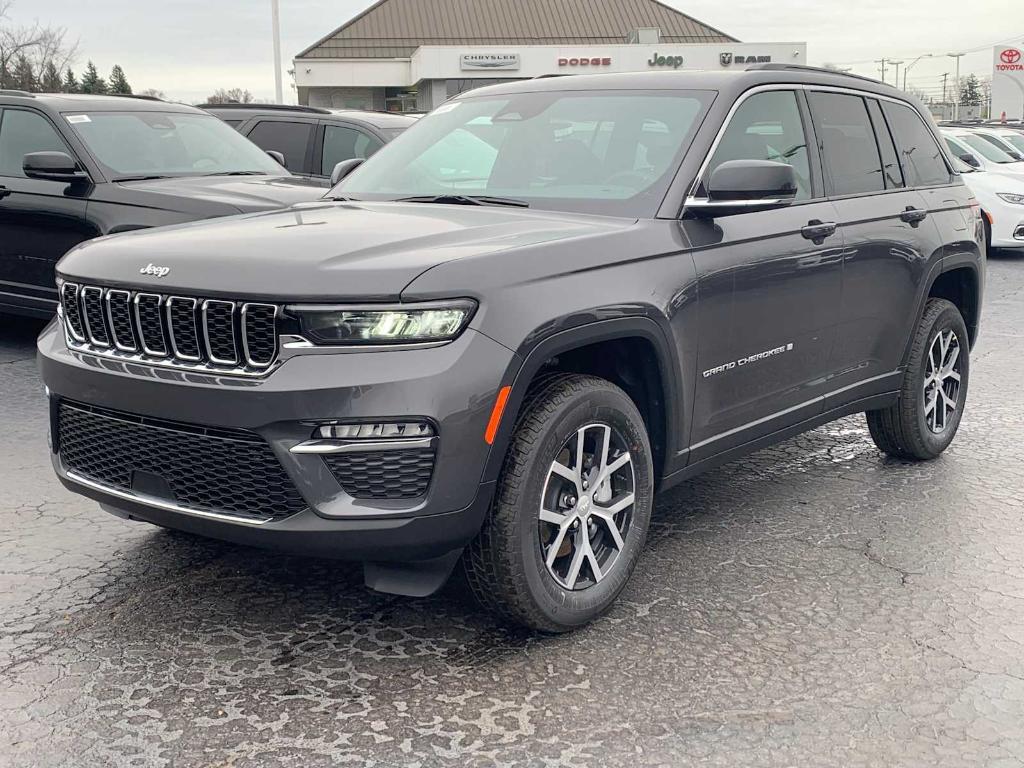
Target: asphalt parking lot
pixel 813 604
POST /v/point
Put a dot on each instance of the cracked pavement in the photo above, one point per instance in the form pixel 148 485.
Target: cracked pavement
pixel 812 604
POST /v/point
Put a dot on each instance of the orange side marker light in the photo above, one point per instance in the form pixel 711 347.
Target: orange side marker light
pixel 496 412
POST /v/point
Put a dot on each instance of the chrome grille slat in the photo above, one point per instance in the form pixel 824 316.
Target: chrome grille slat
pixel 119 314
pixel 193 334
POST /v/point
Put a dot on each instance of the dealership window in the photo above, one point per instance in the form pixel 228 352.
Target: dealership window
pixel 290 139
pixel 847 139
pixel 921 157
pixel 22 132
pixel 767 126
pixel 342 143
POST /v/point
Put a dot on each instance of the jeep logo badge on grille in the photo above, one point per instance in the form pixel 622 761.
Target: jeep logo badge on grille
pixel 152 269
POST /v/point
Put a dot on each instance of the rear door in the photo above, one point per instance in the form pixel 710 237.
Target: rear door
pixel 337 142
pixel 769 288
pixel 39 220
pixel 889 238
pixel 292 137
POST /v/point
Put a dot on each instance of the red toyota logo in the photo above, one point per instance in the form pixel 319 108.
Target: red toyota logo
pixel 1010 56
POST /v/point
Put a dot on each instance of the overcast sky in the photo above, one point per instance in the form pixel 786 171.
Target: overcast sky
pixel 189 48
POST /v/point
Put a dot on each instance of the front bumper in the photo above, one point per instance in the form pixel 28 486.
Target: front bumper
pixel 1008 229
pixel 452 386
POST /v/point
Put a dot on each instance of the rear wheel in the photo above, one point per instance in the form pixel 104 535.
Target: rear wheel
pixel 572 507
pixel 924 421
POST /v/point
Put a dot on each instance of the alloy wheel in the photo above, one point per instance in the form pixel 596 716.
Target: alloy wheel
pixel 586 508
pixel 942 381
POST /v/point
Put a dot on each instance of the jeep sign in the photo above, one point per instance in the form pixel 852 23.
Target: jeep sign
pixel 665 61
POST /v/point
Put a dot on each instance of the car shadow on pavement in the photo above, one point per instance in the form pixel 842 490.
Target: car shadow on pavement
pixel 18 335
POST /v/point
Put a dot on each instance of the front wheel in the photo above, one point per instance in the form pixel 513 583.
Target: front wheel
pixel 924 421
pixel 572 507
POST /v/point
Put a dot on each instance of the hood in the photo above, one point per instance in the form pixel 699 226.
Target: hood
pixel 319 252
pixel 238 194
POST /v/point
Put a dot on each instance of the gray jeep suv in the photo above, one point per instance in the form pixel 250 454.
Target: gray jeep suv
pixel 507 330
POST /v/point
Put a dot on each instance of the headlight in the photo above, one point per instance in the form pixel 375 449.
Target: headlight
pixel 1010 197
pixel 368 325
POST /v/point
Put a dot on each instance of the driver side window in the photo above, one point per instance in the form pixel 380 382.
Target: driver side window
pixel 767 126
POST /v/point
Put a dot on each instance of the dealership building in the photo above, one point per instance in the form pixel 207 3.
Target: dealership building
pixel 413 55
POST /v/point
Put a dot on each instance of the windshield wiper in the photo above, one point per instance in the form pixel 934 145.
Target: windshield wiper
pixel 237 173
pixel 140 178
pixel 450 199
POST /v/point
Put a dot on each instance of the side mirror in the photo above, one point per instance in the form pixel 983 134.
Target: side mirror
pixel 53 166
pixel 971 160
pixel 344 168
pixel 277 157
pixel 1014 154
pixel 736 186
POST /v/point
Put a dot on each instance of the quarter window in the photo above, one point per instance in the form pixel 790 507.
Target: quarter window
pixel 767 126
pixel 23 132
pixel 290 139
pixel 890 163
pixel 920 155
pixel 847 141
pixel 341 143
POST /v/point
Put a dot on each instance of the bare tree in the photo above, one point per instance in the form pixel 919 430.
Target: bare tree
pixel 154 92
pixel 230 96
pixel 39 45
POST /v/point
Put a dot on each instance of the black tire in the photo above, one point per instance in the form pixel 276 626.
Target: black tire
pixel 903 430
pixel 505 566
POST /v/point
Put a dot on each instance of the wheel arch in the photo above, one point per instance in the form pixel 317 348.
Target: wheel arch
pixel 655 389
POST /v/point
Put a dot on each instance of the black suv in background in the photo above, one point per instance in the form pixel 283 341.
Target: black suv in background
pixel 500 337
pixel 76 167
pixel 312 140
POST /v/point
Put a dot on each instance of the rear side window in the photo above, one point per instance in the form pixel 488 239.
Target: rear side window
pixel 890 163
pixel 342 143
pixel 920 155
pixel 767 126
pixel 290 139
pixel 23 132
pixel 847 140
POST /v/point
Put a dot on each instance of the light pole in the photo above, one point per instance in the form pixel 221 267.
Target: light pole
pixel 956 85
pixel 896 80
pixel 276 19
pixel 907 68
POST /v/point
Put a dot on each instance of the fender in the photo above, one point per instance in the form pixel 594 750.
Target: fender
pixel 603 330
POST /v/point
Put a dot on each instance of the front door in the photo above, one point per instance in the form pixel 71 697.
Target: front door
pixel 769 286
pixel 39 220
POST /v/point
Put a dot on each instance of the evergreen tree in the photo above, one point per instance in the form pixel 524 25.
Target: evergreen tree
pixel 70 84
pixel 970 91
pixel 91 80
pixel 23 78
pixel 118 82
pixel 50 81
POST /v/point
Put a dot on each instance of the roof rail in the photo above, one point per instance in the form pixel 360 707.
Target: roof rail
pixel 553 74
pixel 12 92
pixel 132 96
pixel 282 107
pixel 775 67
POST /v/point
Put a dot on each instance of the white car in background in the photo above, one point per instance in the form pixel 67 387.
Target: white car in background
pixel 1004 138
pixel 1002 203
pixel 979 152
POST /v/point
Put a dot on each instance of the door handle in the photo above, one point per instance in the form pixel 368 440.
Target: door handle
pixel 913 216
pixel 4 192
pixel 818 230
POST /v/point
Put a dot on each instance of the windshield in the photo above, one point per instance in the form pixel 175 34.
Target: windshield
pixel 986 149
pixel 134 144
pixel 1015 140
pixel 592 151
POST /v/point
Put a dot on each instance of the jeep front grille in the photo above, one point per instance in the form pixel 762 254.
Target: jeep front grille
pixel 176 331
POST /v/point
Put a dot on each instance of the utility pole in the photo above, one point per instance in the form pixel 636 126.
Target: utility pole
pixel 945 75
pixel 906 69
pixel 956 85
pixel 896 82
pixel 881 63
pixel 276 17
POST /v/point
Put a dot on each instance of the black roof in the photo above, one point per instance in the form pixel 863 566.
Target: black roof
pixel 730 81
pixel 70 102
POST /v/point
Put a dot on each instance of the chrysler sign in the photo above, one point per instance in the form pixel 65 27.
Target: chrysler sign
pixel 489 61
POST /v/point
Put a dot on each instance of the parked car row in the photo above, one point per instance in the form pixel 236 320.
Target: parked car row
pixel 991 159
pixel 75 167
